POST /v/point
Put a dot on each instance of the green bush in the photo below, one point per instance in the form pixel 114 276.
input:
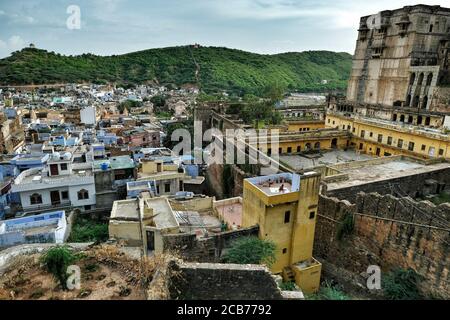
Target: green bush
pixel 57 260
pixel 288 286
pixel 328 291
pixel 251 250
pixel 86 230
pixel 401 284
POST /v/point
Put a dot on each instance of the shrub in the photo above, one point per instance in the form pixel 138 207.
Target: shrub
pixel 328 291
pixel 85 230
pixel 57 260
pixel 401 284
pixel 251 250
pixel 288 286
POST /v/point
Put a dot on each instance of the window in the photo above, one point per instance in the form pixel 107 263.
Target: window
pixel 421 76
pixel 269 151
pixel 354 129
pixel 63 166
pixel 363 133
pixel 441 152
pixel 35 198
pixel 83 194
pixel 65 195
pixel 167 187
pixel 280 150
pixel 312 215
pixel 424 147
pixel 411 146
pixel 329 120
pixel 299 149
pixel 289 150
pixel 431 28
pixel 380 138
pixel 287 217
pixel 429 79
pixel 389 141
pixel 284 250
pixel 400 143
pixel 157 189
pixel 371 134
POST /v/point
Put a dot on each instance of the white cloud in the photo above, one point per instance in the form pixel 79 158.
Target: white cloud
pixel 16 42
pixel 3 44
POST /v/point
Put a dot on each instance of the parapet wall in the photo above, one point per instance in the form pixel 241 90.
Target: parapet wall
pixel 207 281
pixel 204 250
pixel 389 232
pixel 411 185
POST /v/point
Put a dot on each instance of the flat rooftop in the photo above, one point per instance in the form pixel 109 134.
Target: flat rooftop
pixel 127 209
pixel 277 184
pixel 326 158
pixel 370 172
pixel 163 216
pixel 231 213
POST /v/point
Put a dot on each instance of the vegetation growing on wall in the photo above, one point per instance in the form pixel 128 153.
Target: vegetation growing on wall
pixel 401 284
pixel 251 250
pixel 346 226
pixel 228 181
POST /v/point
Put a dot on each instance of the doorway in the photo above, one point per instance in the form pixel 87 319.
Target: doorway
pixel 55 198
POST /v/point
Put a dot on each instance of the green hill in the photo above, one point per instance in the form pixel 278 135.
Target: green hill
pixel 213 68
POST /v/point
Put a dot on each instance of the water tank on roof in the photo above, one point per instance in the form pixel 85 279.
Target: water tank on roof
pixel 67 156
pixel 56 154
pixel 104 166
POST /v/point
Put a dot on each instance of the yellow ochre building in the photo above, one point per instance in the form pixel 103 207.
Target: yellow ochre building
pixel 285 208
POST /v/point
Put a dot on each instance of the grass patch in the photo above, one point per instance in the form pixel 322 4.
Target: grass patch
pixel 443 197
pixel 401 284
pixel 87 230
pixel 328 291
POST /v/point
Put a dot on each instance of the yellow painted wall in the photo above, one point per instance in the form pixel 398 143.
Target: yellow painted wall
pixel 370 143
pixel 305 126
pixel 308 279
pixel 129 231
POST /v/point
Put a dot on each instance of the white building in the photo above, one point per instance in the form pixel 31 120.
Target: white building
pixel 88 115
pixel 44 228
pixel 61 184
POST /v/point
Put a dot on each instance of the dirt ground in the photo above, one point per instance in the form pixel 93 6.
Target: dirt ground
pixel 106 274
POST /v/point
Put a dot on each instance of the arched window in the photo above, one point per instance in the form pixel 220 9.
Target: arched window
pixel 421 76
pixel 419 120
pixel 425 102
pixel 429 79
pixel 408 101
pixel 416 102
pixel 395 117
pixel 83 194
pixel 412 79
pixel 299 148
pixel 410 119
pixel 427 121
pixel 402 118
pixel 317 145
pixel 308 146
pixel 36 198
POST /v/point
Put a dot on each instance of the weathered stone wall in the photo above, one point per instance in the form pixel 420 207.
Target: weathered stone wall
pixel 214 177
pixel 389 232
pixel 209 249
pixel 205 281
pixel 411 185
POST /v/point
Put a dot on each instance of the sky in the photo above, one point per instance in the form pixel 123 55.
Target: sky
pixel 109 27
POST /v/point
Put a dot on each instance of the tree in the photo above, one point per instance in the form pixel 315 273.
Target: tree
pixel 251 250
pixel 56 260
pixel 159 100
